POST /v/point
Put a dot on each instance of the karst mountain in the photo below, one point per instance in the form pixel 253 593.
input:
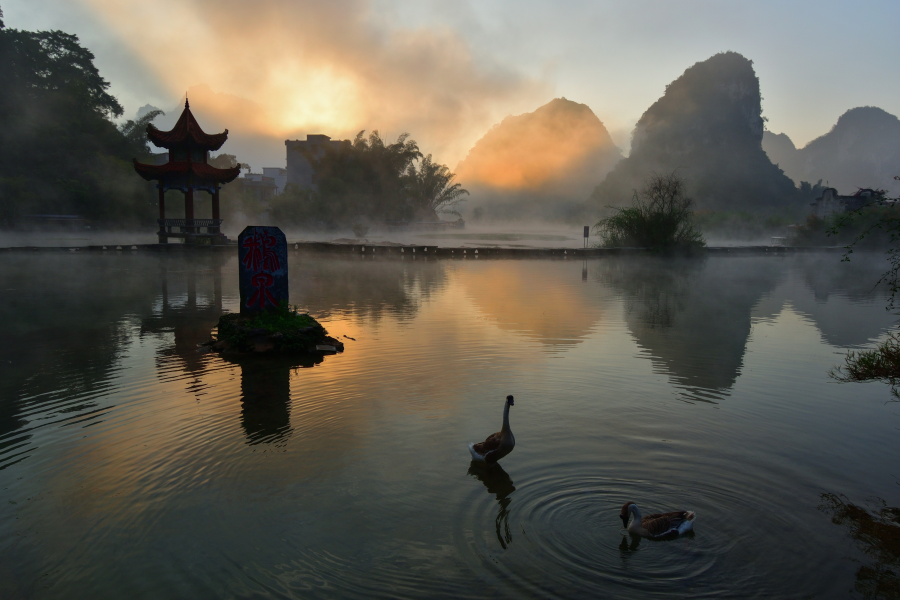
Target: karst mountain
pixel 862 150
pixel 708 127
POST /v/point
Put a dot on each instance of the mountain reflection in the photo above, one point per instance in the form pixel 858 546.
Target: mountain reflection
pixel 541 299
pixel 497 482
pixel 364 288
pixel 839 289
pixel 693 316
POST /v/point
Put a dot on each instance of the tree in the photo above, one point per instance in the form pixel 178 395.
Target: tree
pixel 661 216
pixel 431 191
pixel 363 179
pixel 135 132
pixel 59 150
pixel 882 363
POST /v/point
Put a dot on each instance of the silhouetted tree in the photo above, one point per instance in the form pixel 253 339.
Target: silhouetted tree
pixel 660 216
pixel 431 189
pixel 60 152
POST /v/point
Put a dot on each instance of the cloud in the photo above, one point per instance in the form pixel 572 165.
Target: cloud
pixel 322 67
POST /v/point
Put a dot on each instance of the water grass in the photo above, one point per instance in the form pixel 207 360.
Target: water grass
pixel 881 364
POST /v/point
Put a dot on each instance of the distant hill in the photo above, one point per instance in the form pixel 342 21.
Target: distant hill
pixel 708 125
pixel 861 150
pixel 553 155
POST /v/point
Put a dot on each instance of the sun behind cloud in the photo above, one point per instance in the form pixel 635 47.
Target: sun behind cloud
pixel 321 67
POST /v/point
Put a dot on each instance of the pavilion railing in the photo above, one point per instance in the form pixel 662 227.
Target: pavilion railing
pixel 189 226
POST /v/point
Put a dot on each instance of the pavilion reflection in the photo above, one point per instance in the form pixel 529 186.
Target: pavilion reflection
pixel 189 305
pixel 499 483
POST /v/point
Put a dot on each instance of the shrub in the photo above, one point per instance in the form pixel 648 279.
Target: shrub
pixel 661 216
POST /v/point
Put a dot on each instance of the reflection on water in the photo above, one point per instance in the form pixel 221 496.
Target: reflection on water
pixel 877 533
pixel 497 482
pixel 693 318
pixel 629 544
pixel 266 395
pixel 364 288
pixel 132 464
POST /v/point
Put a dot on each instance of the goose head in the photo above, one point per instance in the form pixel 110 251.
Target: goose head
pixel 626 512
pixel 510 401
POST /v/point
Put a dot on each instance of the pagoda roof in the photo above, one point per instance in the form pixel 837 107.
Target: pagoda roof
pixel 176 169
pixel 186 132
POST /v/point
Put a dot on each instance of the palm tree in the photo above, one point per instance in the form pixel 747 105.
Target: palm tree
pixel 432 191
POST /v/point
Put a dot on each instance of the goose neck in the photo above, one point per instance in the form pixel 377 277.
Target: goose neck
pixel 636 513
pixel 506 418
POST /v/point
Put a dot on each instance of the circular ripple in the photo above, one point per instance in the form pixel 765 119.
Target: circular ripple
pixel 558 533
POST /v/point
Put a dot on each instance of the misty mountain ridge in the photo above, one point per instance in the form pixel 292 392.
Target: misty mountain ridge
pixel 862 150
pixel 708 126
pixel 555 154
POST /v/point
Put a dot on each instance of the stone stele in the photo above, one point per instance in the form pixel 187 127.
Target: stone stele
pixel 263 265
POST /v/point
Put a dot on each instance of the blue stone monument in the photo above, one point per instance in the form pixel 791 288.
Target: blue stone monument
pixel 263 265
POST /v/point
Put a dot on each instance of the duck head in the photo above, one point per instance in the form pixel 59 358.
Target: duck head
pixel 510 401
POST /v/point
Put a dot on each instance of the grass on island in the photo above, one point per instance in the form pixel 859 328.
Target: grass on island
pixel 882 363
pixel 299 330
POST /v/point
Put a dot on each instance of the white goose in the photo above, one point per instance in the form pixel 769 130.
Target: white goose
pixel 497 445
pixel 656 525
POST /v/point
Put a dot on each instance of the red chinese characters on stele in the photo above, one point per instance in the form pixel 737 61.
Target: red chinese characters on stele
pixel 262 267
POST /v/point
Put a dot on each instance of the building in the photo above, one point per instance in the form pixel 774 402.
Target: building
pixel 278 175
pixel 831 203
pixel 299 170
pixel 261 186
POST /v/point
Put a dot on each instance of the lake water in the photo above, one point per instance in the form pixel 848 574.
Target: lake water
pixel 132 466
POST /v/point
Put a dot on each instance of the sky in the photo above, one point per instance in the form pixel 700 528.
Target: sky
pixel 445 72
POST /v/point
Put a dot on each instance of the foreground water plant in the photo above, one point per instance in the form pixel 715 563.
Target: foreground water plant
pixel 881 363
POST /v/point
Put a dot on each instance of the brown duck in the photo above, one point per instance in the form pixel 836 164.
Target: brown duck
pixel 497 445
pixel 656 525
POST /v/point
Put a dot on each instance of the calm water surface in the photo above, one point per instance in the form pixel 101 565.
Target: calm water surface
pixel 132 466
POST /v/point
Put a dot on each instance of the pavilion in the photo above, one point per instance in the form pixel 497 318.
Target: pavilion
pixel 187 170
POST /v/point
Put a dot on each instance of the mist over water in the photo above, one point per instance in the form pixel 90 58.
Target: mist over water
pixel 132 464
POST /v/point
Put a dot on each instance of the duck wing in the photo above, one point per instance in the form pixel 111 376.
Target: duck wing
pixel 491 443
pixel 660 524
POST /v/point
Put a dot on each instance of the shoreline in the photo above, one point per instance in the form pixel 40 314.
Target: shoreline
pixel 422 250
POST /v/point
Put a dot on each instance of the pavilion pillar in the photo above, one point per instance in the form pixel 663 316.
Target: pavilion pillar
pixel 161 234
pixel 189 203
pixel 215 210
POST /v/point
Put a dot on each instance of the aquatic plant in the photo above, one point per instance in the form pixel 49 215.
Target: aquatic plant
pixel 661 216
pixel 877 534
pixel 881 363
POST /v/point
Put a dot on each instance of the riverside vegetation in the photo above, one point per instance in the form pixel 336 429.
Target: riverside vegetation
pixel 879 219
pixel 661 216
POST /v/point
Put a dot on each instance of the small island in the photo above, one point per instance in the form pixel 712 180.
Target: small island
pixel 284 330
